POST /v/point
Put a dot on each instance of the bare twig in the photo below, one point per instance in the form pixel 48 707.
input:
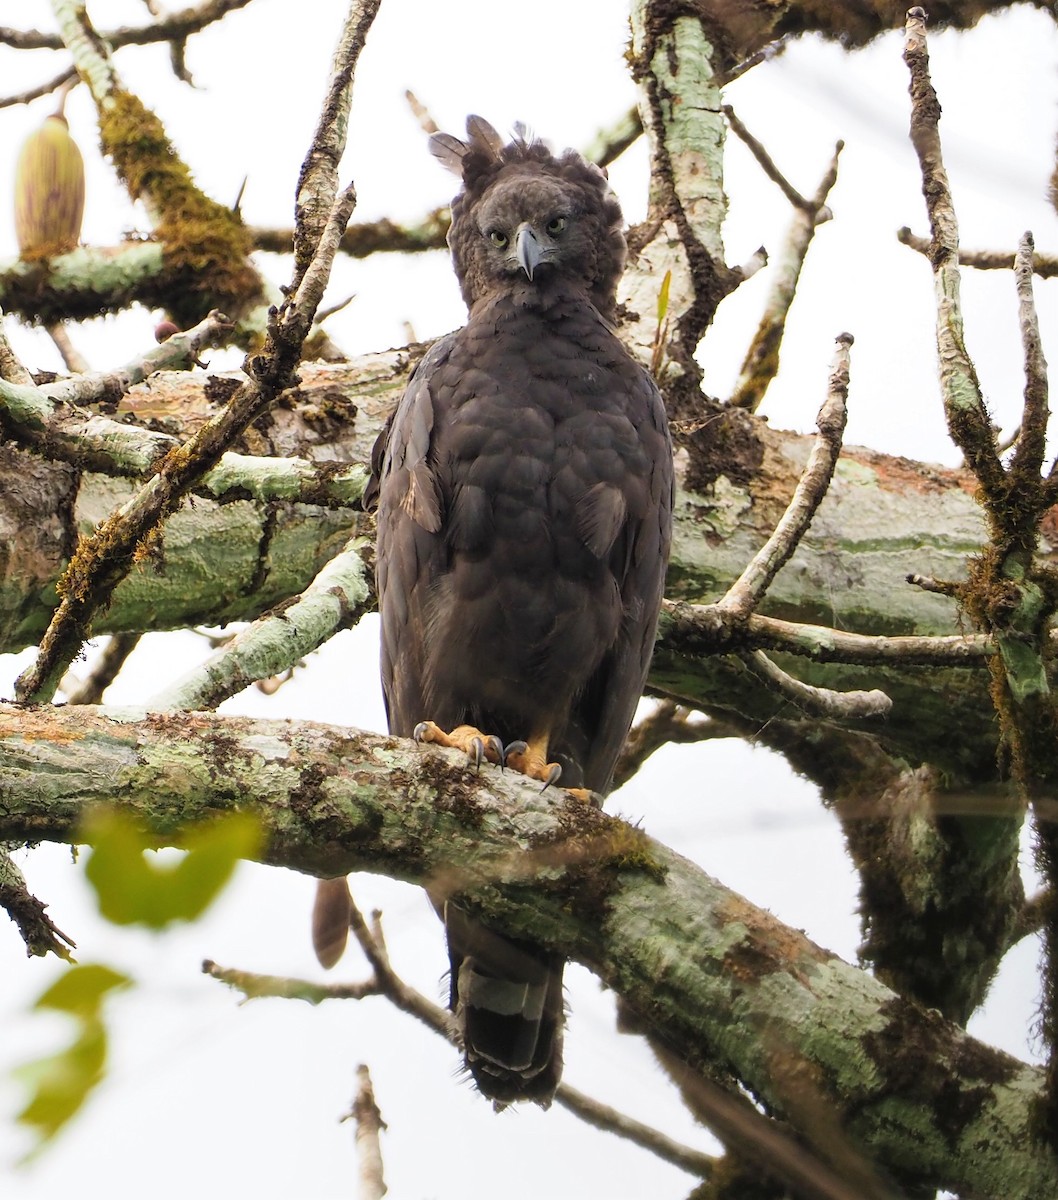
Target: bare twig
pixel 42 89
pixel 748 590
pixel 254 986
pixel 41 934
pixel 71 356
pixel 767 164
pixel 317 189
pixel 602 1116
pixel 1043 265
pixel 708 629
pixel 385 982
pixel 390 984
pixel 818 702
pixel 761 363
pixel 968 418
pixel 115 654
pixel 369 1125
pixel 668 723
pixel 176 26
pixel 421 113
pixel 372 237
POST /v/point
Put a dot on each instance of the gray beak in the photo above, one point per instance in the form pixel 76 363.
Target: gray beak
pixel 530 254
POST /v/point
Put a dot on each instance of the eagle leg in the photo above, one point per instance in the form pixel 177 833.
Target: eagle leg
pixel 530 758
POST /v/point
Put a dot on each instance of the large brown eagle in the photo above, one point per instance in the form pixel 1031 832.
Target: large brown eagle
pixel 524 488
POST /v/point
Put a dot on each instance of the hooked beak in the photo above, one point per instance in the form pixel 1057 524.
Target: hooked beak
pixel 529 251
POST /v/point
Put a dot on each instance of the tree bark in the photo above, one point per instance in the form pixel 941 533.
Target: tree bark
pixel 728 988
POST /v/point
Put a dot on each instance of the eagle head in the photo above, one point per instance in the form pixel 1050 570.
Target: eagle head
pixel 525 216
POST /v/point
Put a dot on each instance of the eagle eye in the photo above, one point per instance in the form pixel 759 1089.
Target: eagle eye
pixel 498 238
pixel 556 225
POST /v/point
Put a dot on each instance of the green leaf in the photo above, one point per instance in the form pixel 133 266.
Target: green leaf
pixel 132 888
pixel 60 1083
pixel 663 297
pixel 80 991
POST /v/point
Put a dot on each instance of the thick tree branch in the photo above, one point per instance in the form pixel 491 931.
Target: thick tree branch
pixel 616 902
pixel 105 558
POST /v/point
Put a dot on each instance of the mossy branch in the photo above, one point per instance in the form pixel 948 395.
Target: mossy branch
pixel 716 978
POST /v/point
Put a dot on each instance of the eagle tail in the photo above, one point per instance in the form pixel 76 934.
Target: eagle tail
pixel 507 999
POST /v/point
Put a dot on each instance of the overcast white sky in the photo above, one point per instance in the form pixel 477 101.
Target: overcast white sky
pixel 205 1097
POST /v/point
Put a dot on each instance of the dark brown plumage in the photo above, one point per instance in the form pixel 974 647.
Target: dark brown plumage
pixel 524 491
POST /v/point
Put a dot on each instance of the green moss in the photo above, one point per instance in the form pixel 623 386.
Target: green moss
pixel 206 246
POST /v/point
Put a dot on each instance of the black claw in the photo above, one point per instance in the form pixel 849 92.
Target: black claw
pixel 476 752
pixel 493 743
pixel 419 730
pixel 553 776
pixel 513 748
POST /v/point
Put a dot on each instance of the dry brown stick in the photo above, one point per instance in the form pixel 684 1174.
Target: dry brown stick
pixel 767 164
pixel 41 934
pixel 42 89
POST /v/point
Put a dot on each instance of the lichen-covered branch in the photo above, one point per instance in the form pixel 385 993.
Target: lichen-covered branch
pixel 1043 265
pixel 746 593
pixel 105 558
pixel 1009 594
pixel 968 418
pixel 335 599
pixel 911 1091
